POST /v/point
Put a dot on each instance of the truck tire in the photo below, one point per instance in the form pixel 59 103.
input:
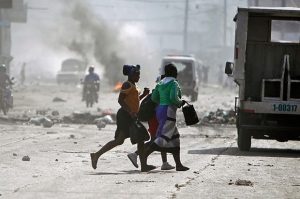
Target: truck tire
pixel 244 140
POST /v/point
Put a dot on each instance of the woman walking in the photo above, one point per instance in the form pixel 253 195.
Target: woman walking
pixel 167 94
pixel 129 100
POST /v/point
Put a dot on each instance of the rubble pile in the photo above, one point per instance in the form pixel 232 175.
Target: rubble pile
pixel 45 121
pixel 45 118
pixel 58 99
pixel 103 121
pixel 88 118
pixel 220 117
pixel 48 117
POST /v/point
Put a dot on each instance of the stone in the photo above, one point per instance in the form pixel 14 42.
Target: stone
pixel 26 158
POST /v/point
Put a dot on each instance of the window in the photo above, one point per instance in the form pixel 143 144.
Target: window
pixel 285 31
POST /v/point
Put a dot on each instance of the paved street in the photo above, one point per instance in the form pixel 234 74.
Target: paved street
pixel 59 166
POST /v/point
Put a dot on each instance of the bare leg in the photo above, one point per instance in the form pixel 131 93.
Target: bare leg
pixel 143 158
pixel 108 146
pixel 140 152
pixel 164 157
pixel 179 166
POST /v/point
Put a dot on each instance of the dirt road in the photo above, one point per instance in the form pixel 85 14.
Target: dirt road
pixel 59 165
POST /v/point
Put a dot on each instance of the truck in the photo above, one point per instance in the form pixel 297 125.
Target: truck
pixel 71 72
pixel 266 69
pixel 188 73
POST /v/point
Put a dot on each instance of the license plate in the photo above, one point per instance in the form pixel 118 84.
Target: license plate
pixel 285 107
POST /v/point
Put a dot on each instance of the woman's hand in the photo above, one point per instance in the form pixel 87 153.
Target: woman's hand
pixel 146 91
pixel 183 103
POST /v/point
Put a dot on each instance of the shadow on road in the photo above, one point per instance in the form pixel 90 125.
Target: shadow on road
pixel 234 151
pixel 115 173
pixel 126 172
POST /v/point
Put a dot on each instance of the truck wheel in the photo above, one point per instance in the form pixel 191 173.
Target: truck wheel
pixel 244 140
pixel 194 96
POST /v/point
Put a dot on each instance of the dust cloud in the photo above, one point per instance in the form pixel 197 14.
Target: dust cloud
pixel 109 45
pixel 76 31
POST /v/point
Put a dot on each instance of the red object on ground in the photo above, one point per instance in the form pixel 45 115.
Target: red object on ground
pixel 153 125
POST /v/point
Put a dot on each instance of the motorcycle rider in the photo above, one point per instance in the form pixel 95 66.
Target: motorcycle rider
pixel 91 79
pixel 4 78
pixel 4 82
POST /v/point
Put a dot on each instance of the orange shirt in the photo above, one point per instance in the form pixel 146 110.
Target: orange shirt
pixel 132 97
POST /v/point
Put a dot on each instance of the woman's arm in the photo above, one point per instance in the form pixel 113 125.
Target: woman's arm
pixel 175 95
pixel 155 95
pixel 144 94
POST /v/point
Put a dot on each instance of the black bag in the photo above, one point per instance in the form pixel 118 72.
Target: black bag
pixel 147 109
pixel 190 115
pixel 138 132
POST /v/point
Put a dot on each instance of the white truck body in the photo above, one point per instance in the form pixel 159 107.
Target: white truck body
pixel 267 72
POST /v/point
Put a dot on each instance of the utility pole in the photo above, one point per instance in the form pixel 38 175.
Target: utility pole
pixel 5 36
pixel 185 28
pixel 225 24
pixel 11 11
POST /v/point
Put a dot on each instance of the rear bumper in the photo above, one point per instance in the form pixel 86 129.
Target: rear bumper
pixel 285 129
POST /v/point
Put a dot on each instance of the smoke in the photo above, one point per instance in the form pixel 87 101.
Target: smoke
pixel 71 29
pixel 94 40
pixel 91 39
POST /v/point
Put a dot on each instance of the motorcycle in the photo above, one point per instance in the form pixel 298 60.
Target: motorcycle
pixel 91 95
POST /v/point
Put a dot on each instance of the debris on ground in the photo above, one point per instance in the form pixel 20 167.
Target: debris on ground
pixel 38 121
pixel 178 186
pixel 72 136
pixel 103 121
pixel 26 158
pixel 88 118
pixel 58 99
pixel 51 132
pixel 220 117
pixel 41 111
pixel 47 123
pixel 14 154
pixel 80 118
pixel 243 182
pixel 55 113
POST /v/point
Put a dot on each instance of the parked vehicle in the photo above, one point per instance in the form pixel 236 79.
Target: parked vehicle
pixel 188 69
pixel 72 70
pixel 266 69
